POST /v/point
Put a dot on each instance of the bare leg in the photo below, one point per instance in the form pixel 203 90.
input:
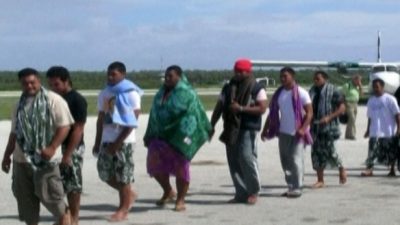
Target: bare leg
pixel 65 219
pixel 320 179
pixel 367 173
pixel 74 200
pixel 169 194
pixel 392 172
pixel 114 184
pixel 126 198
pixel 342 175
pixel 182 186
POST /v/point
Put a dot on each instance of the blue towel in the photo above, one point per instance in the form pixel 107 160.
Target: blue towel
pixel 123 113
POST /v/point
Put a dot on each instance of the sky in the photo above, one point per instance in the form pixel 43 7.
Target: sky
pixel 203 34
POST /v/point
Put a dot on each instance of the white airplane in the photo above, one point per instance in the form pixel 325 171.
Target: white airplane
pixel 388 72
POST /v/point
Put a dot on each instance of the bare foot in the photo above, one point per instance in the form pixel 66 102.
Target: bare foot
pixel 180 206
pixel 367 173
pixel 133 198
pixel 118 216
pixel 166 198
pixel 318 184
pixel 252 199
pixel 342 176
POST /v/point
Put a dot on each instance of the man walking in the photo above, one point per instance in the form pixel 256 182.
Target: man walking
pixel 289 119
pixel 73 147
pixel 119 108
pixel 242 103
pixel 383 128
pixel 327 104
pixel 40 123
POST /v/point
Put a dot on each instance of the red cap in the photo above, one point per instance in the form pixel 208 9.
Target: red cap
pixel 243 65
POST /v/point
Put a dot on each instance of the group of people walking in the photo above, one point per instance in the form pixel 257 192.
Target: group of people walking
pixel 46 140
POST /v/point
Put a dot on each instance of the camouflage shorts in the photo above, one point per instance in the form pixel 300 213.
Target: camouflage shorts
pixel 72 175
pixel 381 150
pixel 120 165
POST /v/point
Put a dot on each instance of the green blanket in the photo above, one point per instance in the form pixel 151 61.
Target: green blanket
pixel 179 120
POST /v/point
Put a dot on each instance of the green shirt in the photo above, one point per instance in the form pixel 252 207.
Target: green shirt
pixel 350 92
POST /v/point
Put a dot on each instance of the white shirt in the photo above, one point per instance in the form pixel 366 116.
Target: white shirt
pixel 287 121
pixel 382 111
pixel 60 115
pixel 105 104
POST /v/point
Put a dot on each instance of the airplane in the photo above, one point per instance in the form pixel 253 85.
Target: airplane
pixel 388 72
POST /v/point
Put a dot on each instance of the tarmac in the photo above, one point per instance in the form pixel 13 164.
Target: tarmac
pixel 373 200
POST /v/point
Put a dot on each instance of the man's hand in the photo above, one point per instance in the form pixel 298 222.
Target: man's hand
pixel 66 160
pixel 325 120
pixel 264 134
pixel 48 153
pixel 235 107
pixel 300 132
pixel 96 150
pixel 358 83
pixel 113 148
pixel 5 164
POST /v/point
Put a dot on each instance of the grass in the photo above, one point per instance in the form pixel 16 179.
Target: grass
pixel 8 104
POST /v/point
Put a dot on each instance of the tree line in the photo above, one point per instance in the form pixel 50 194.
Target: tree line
pixel 152 79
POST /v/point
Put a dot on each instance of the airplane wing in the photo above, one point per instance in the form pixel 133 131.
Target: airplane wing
pixel 370 64
pixel 268 63
pixel 334 64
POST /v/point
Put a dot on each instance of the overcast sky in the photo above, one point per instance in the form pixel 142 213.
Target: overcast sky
pixel 203 34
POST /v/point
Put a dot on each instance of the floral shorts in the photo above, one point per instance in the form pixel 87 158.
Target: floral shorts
pixel 72 175
pixel 119 166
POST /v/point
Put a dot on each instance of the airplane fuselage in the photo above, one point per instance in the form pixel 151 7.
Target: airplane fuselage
pixel 388 73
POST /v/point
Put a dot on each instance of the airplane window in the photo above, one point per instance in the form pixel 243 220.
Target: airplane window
pixel 391 68
pixel 378 69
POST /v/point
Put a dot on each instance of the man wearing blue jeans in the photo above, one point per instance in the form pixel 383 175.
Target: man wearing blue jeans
pixel 242 103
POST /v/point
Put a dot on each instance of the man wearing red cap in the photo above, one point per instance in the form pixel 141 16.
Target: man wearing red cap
pixel 241 104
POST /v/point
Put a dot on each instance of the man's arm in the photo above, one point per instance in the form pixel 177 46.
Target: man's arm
pixel 5 165
pixel 74 141
pixel 59 136
pixel 116 145
pixel 258 109
pixel 265 129
pixel 340 110
pixel 366 135
pixel 398 124
pixel 307 119
pixel 359 88
pixel 99 132
pixel 217 112
pixel 137 113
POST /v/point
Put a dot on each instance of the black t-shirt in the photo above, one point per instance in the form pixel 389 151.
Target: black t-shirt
pixel 78 107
